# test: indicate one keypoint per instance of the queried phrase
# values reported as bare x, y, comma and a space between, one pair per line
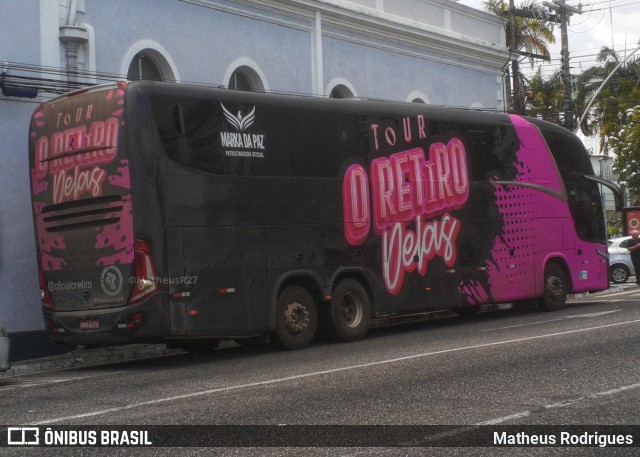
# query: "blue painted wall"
201, 40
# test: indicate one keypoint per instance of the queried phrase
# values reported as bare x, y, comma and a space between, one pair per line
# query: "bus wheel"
348, 315
296, 318
555, 288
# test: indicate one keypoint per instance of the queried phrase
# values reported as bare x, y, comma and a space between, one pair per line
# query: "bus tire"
555, 288
296, 318
347, 316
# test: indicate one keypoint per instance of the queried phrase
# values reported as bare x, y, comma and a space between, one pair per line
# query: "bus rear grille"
89, 212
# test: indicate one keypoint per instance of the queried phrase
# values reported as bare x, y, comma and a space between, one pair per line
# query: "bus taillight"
45, 297
145, 271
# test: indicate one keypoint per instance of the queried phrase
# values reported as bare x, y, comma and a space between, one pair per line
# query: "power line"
604, 8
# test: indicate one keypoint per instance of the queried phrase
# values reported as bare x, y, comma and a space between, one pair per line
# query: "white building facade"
424, 51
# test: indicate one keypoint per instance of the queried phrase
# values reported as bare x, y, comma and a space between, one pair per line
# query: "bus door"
207, 269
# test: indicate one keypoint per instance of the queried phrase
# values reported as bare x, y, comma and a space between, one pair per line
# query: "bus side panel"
175, 267
533, 217
256, 279
546, 231
213, 256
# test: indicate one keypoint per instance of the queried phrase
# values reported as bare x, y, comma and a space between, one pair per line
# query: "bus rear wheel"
555, 288
348, 315
296, 318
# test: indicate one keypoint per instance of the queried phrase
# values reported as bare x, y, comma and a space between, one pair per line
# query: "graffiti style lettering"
355, 190
405, 250
391, 136
406, 185
77, 174
75, 153
71, 186
408, 192
82, 114
101, 133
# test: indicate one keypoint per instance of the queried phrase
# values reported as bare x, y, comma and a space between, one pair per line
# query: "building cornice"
357, 23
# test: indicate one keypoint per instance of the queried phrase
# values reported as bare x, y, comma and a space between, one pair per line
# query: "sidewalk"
87, 358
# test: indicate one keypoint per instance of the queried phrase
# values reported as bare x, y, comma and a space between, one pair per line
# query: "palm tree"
547, 97
615, 113
532, 37
619, 94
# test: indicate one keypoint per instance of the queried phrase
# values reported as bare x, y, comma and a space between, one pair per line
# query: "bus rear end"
95, 277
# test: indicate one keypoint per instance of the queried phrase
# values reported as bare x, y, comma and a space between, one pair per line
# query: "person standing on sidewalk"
634, 248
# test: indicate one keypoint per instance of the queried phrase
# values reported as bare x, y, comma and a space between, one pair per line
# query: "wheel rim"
555, 287
296, 317
619, 275
351, 310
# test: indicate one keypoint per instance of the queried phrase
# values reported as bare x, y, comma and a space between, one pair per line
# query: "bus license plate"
91, 323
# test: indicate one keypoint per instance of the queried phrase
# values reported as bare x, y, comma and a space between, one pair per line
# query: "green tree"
618, 95
545, 100
615, 115
532, 35
625, 144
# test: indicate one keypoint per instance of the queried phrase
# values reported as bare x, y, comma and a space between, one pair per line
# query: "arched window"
239, 81
418, 97
143, 66
146, 59
247, 78
340, 91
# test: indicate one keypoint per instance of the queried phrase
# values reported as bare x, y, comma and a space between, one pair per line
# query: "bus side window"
584, 197
179, 149
203, 137
189, 132
492, 150
587, 211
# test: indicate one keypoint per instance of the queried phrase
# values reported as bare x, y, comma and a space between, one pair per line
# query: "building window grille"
143, 67
239, 81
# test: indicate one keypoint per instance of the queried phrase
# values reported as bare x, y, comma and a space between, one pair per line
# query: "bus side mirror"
617, 193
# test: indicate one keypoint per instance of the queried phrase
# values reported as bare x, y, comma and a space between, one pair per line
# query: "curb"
611, 290
88, 358
81, 358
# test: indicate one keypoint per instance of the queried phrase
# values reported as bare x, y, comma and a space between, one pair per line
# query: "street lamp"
584, 114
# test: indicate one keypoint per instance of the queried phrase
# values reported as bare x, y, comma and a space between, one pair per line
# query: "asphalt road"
579, 366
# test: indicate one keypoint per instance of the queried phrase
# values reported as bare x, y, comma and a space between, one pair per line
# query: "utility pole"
565, 11
566, 72
539, 13
515, 66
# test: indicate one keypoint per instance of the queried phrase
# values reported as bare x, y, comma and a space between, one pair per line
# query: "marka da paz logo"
241, 143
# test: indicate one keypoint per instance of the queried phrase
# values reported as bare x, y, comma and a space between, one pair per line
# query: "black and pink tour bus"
187, 214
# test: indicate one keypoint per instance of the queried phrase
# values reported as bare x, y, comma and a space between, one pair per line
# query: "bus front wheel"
296, 318
555, 288
348, 315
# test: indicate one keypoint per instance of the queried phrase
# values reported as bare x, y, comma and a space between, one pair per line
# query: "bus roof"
354, 104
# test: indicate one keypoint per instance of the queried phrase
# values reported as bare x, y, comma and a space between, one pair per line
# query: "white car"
620, 265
